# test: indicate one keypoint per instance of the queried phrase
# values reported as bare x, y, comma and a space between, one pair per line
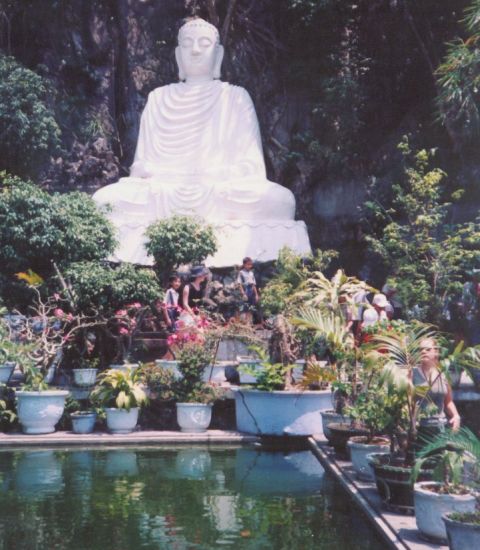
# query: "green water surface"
184, 498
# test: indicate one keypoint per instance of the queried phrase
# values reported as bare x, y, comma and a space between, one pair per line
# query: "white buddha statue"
199, 153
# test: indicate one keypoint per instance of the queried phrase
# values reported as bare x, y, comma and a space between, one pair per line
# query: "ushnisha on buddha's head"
199, 54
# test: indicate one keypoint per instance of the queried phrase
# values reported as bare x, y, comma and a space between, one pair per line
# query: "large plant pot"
331, 417
83, 422
6, 371
461, 535
359, 450
39, 411
280, 413
430, 506
194, 417
393, 481
121, 421
340, 433
85, 378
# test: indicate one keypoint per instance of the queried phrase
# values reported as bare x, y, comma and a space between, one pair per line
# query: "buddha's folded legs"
146, 201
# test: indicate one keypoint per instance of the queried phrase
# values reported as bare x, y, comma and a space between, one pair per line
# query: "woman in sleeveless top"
192, 295
439, 392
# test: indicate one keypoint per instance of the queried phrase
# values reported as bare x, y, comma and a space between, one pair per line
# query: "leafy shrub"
193, 358
28, 127
37, 228
120, 390
180, 240
409, 233
292, 270
108, 288
159, 381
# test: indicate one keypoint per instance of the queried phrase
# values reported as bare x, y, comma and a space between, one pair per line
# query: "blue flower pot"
83, 423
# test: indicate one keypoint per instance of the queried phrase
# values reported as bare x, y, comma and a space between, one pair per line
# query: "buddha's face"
197, 52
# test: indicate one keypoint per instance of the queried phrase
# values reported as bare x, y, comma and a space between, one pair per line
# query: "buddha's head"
199, 54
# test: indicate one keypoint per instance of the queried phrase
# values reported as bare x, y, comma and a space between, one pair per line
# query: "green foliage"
448, 453
28, 129
193, 358
159, 381
118, 389
108, 288
292, 270
180, 240
458, 79
271, 376
38, 228
427, 257
34, 378
336, 79
378, 409
7, 408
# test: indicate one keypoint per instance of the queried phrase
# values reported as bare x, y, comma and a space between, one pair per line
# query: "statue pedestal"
261, 240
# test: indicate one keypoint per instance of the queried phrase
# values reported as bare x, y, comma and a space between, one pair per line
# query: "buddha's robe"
199, 153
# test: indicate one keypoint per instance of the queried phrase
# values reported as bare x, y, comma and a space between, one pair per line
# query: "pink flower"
123, 330
56, 296
58, 313
121, 313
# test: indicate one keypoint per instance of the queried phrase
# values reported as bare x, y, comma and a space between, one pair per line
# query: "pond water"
183, 498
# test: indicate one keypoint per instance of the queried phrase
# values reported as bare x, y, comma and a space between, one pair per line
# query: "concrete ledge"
399, 531
67, 439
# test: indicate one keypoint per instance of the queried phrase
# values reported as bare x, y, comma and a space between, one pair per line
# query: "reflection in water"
193, 464
266, 473
173, 499
38, 474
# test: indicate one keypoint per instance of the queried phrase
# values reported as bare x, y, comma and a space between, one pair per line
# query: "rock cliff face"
333, 94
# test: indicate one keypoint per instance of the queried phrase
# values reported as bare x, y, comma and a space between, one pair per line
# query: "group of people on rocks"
182, 302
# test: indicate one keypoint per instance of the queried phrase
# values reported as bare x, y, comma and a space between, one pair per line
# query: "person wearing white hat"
377, 313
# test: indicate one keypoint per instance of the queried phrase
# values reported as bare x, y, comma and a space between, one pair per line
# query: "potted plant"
371, 411
160, 389
85, 374
121, 394
455, 467
400, 348
11, 352
38, 407
82, 416
194, 397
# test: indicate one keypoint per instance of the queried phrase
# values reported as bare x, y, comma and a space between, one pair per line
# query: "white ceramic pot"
359, 450
39, 411
280, 412
6, 371
431, 506
194, 417
85, 378
121, 421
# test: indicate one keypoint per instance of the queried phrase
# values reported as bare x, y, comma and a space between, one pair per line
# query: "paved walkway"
67, 439
399, 531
